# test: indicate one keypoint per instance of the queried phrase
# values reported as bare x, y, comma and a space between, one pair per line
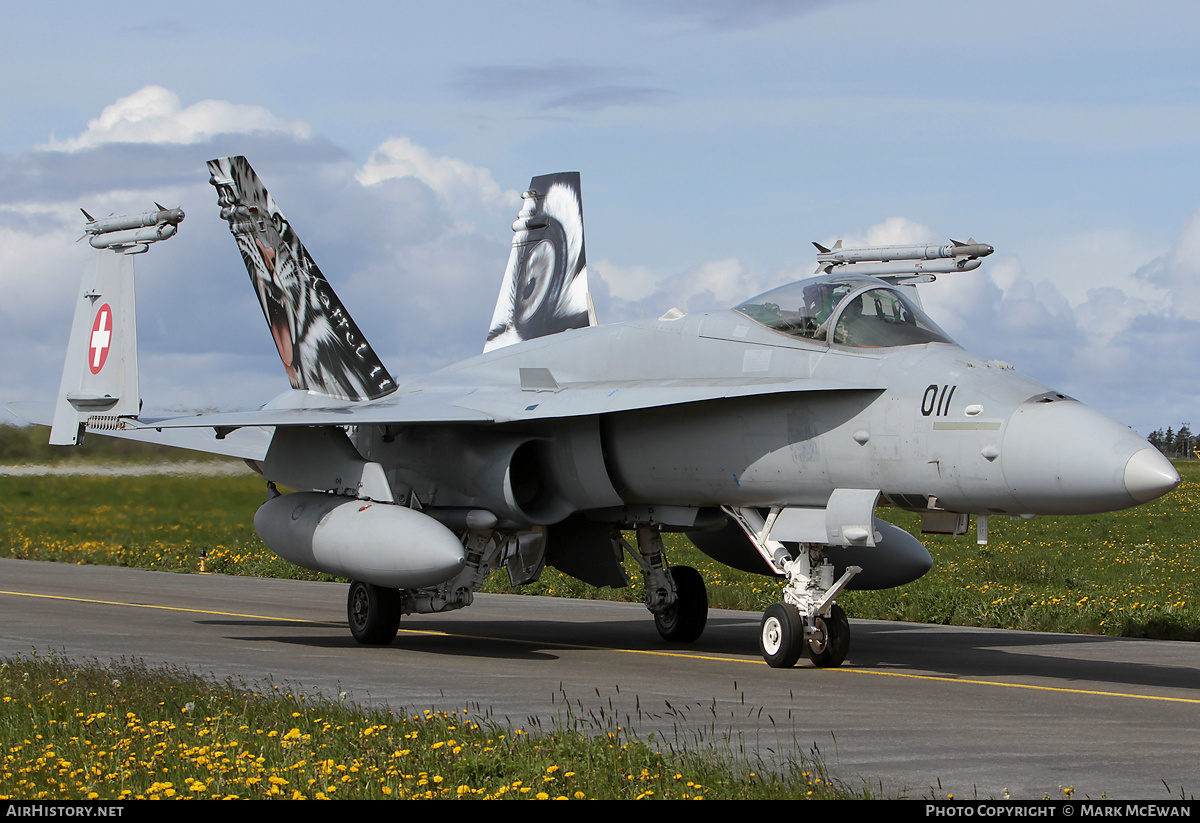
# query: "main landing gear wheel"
373, 613
782, 637
830, 644
684, 622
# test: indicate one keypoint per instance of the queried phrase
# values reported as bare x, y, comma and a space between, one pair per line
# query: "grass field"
124, 731
1131, 573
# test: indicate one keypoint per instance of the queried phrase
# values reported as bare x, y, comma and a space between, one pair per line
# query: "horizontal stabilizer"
249, 443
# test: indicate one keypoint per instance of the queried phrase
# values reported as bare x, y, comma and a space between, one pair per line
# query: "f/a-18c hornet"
768, 433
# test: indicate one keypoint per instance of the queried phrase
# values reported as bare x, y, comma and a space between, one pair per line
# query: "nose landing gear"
808, 620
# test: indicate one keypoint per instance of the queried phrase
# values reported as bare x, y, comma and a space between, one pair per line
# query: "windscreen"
883, 317
860, 311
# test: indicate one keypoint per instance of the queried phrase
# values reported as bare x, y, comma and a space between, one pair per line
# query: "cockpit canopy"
848, 310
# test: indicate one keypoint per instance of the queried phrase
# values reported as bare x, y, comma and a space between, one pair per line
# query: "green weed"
126, 731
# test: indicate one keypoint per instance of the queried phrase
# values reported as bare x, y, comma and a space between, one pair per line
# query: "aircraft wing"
418, 407
607, 397
507, 403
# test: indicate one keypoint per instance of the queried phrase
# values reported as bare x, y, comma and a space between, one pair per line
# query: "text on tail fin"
321, 347
545, 285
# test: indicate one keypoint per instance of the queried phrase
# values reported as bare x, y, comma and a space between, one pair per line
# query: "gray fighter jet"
768, 434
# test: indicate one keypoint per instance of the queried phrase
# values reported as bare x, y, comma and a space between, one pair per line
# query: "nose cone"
1149, 475
1062, 457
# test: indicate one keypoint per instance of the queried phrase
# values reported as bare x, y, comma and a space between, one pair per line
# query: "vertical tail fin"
320, 345
545, 285
100, 376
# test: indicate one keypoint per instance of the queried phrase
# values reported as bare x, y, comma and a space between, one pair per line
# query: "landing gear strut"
808, 620
676, 596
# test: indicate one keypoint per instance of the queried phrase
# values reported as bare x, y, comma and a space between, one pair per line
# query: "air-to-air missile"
132, 232
953, 256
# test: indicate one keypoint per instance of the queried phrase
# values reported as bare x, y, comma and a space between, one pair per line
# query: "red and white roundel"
98, 343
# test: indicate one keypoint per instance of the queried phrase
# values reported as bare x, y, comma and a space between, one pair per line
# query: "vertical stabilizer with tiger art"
321, 347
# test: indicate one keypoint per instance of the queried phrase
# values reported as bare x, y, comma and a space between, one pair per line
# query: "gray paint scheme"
543, 447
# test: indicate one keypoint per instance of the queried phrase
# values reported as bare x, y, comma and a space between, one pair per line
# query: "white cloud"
894, 231
1183, 270
636, 292
1092, 259
460, 185
419, 283
715, 284
154, 115
38, 273
625, 282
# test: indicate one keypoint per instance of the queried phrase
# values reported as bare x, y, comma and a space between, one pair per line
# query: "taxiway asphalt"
918, 710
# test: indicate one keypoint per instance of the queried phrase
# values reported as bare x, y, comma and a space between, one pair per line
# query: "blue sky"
715, 140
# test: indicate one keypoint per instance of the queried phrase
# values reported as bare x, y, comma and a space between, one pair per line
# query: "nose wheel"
808, 620
784, 637
829, 642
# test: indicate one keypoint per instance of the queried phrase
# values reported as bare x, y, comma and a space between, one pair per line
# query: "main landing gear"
373, 613
684, 621
676, 596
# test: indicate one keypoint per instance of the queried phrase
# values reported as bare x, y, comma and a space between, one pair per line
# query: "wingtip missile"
122, 222
128, 230
970, 250
965, 256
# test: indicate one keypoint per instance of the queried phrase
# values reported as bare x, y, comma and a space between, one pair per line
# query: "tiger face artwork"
319, 344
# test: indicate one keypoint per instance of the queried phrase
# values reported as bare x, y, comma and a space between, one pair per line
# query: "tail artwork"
321, 347
545, 285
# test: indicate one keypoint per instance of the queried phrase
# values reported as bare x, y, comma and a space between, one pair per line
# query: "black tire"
684, 622
830, 644
781, 638
373, 613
